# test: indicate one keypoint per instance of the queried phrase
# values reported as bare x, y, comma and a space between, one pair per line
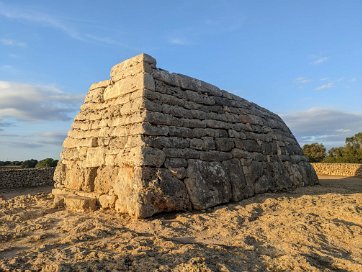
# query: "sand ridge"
313, 228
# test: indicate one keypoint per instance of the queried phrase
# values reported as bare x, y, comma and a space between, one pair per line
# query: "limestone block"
149, 129
107, 201
105, 178
164, 141
60, 174
236, 177
185, 153
159, 118
124, 86
95, 157
131, 156
209, 143
135, 65
224, 144
207, 183
215, 156
100, 84
180, 132
96, 95
191, 123
80, 179
217, 124
179, 173
200, 98
175, 162
127, 188
80, 203
197, 144
164, 193
153, 157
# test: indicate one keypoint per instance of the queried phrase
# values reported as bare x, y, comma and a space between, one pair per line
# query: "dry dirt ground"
310, 229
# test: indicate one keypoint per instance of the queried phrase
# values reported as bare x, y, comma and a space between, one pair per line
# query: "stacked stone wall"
18, 178
148, 141
102, 153
338, 169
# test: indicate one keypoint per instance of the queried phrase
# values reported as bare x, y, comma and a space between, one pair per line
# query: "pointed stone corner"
147, 141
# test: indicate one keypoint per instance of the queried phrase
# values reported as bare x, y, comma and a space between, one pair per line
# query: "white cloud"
10, 42
302, 81
319, 60
325, 86
31, 141
328, 126
51, 137
22, 101
178, 41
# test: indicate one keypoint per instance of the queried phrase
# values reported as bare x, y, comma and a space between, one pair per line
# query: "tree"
354, 142
351, 152
29, 163
315, 152
48, 162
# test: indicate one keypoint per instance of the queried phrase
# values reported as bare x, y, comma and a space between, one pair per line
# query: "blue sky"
300, 59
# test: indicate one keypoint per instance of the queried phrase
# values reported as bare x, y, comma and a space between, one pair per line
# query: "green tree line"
48, 162
351, 152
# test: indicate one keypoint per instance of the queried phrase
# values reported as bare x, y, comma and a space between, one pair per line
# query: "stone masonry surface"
17, 178
338, 169
148, 141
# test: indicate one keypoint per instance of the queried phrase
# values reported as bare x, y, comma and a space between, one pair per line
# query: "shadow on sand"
214, 256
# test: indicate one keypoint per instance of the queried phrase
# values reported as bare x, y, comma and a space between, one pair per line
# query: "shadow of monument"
187, 254
337, 185
183, 252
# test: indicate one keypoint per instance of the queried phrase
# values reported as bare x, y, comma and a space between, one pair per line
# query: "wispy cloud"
33, 141
325, 86
302, 81
10, 42
24, 101
194, 33
328, 126
178, 41
51, 137
4, 125
7, 68
319, 60
39, 18
51, 21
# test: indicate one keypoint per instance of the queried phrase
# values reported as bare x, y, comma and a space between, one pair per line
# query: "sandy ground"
310, 229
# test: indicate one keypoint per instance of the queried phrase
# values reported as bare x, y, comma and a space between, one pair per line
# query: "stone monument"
148, 141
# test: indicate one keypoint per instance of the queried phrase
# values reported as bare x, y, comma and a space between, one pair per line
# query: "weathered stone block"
207, 183
79, 203
107, 201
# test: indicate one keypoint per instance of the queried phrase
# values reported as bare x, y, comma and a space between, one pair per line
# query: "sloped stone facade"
149, 141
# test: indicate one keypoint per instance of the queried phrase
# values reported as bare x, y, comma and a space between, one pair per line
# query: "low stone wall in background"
338, 169
18, 178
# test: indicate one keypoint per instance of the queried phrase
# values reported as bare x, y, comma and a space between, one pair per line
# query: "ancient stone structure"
18, 178
148, 141
338, 169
